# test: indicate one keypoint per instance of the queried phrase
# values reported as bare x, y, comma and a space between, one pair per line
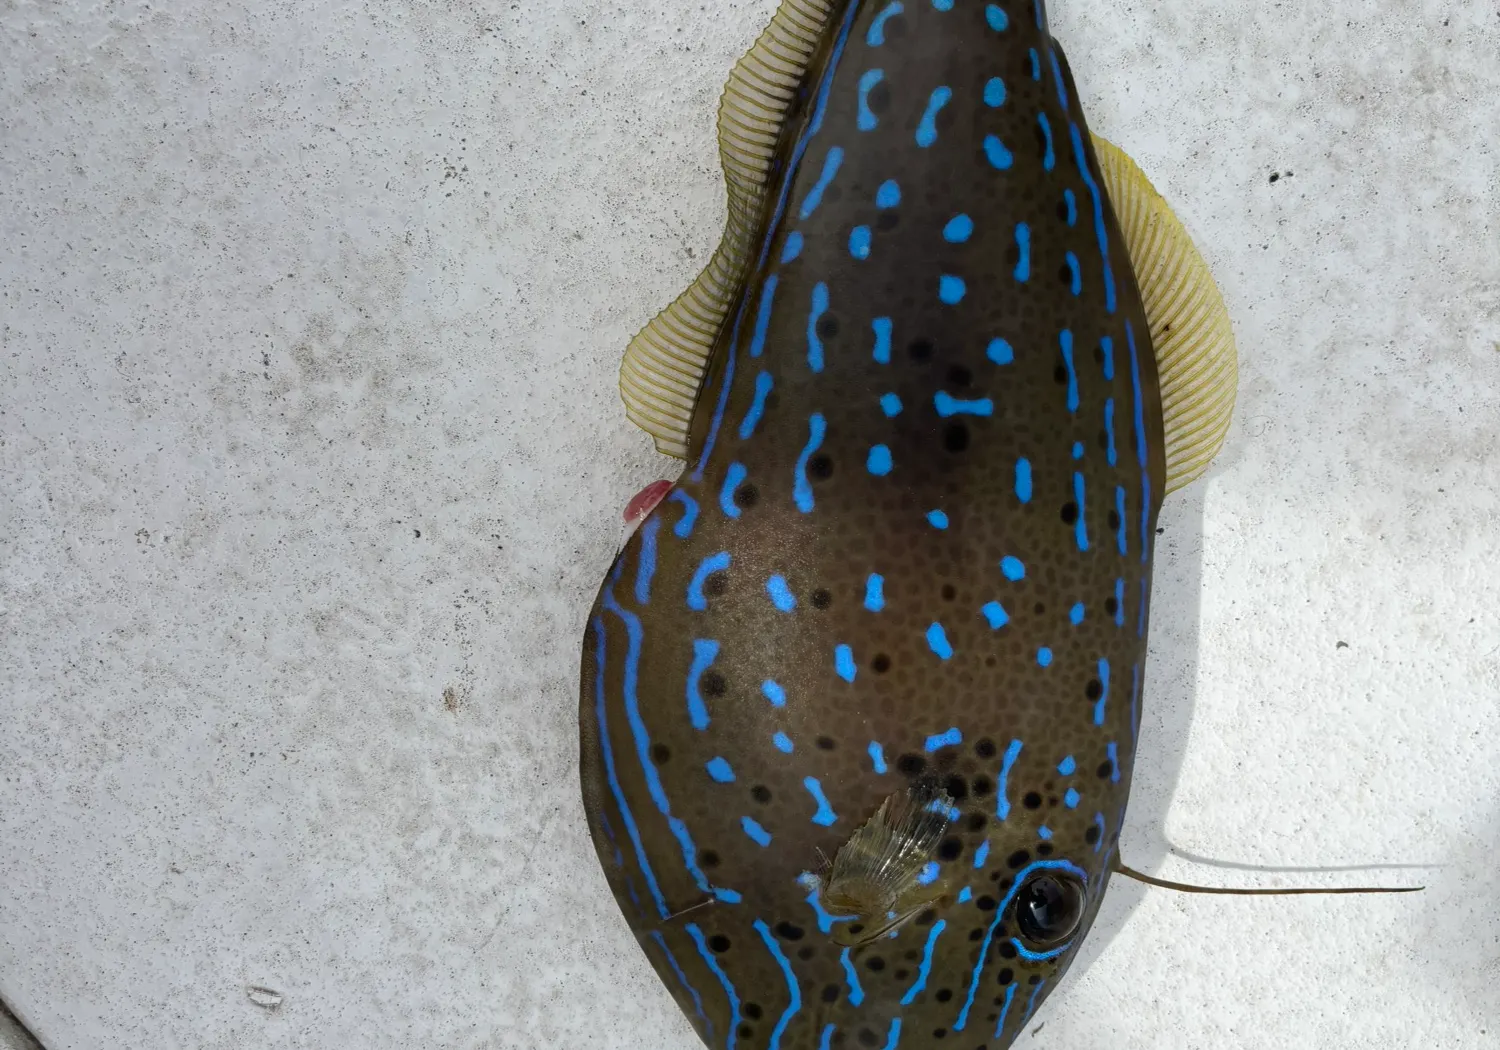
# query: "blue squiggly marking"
1002, 804
1120, 513
937, 519
893, 1037
830, 169
951, 289
856, 993
683, 980
1099, 231
684, 527
1120, 585
763, 385
1036, 64
1049, 158
994, 92
1031, 1000
1065, 340
1044, 657
1062, 88
1010, 994
948, 405
1107, 345
773, 692
763, 315
825, 814
1104, 693
878, 462
995, 614
876, 35
958, 229
928, 875
859, 242
1140, 615
1135, 684
937, 641
927, 127
1099, 823
877, 757
867, 121
925, 967
1112, 752
1012, 568
825, 920
1075, 275
982, 854
783, 743
1071, 797
814, 341
1068, 766
645, 567
801, 490
888, 195
1109, 429
825, 1041
996, 17
949, 738
1080, 527
781, 594
890, 405
843, 662
732, 478
713, 967
705, 651
758, 835
1000, 352
1076, 614
875, 592
1023, 245
720, 770
792, 248
882, 329
995, 152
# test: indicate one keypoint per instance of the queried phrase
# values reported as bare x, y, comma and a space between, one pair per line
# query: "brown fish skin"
711, 795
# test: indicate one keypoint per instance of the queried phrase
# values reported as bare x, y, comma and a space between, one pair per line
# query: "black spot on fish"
942, 995
919, 349
1032, 800
911, 764
1005, 976
938, 1033
746, 495
1099, 353
1114, 520
806, 952
881, 664
715, 585
820, 467
1044, 849
1062, 210
950, 848
1007, 950
1012, 255
1111, 606
925, 917
956, 787
1039, 608
901, 974
982, 786
660, 753
789, 931
824, 743
949, 592
751, 1010
1094, 690
821, 599
712, 683
887, 220
978, 821
1034, 979
760, 793
879, 98
956, 437
958, 375
1060, 375
1019, 859
875, 963
1106, 769
867, 1037
828, 326
976, 933
985, 903
1104, 439
831, 993
708, 859
857, 928
984, 747
1091, 836
746, 1031
1065, 273
719, 943
1069, 512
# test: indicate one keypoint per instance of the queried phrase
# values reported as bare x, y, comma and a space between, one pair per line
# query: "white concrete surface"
312, 460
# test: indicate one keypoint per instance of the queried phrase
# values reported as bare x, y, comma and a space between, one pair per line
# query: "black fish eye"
1049, 908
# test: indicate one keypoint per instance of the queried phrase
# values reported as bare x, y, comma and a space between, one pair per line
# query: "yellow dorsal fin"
665, 362
1195, 354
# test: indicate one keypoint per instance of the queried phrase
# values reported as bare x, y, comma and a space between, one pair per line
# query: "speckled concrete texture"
312, 460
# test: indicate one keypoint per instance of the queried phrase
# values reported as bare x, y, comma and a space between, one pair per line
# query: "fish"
860, 693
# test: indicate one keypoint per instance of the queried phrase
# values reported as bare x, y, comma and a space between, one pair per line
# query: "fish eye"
1049, 908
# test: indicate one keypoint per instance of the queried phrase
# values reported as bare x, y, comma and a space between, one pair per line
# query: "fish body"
860, 696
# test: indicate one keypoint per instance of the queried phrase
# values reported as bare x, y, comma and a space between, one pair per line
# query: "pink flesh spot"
645, 501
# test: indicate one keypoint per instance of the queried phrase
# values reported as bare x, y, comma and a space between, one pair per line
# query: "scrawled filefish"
860, 694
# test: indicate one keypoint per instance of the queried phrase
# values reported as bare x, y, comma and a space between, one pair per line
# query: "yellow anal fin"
665, 362
1195, 355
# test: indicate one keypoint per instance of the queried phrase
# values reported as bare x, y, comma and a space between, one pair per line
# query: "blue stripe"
982, 854
888, 195
801, 489
727, 379
831, 164
1099, 232
1075, 274
825, 814
825, 1041
926, 967
994, 92
683, 980
843, 662
774, 693
794, 990
720, 770
643, 748
814, 343
1107, 345
937, 641
792, 248
607, 748
1065, 340
1072, 203
1109, 428
705, 651
1002, 804
763, 315
937, 519
714, 968
1068, 766
1049, 158
684, 527
856, 993
1140, 406
1099, 823
783, 743
890, 404
866, 120
1120, 542
878, 462
1080, 528
1036, 64
927, 127
996, 17
1062, 89
876, 35
875, 592
1010, 994
1120, 590
781, 594
1000, 910
1113, 751
645, 567
825, 920
732, 478
1013, 568
859, 242
877, 757
1023, 480
893, 1037
1000, 352
759, 835
763, 384
1031, 1001
995, 615
948, 405
709, 565
1023, 242
951, 738
958, 229
882, 327
995, 152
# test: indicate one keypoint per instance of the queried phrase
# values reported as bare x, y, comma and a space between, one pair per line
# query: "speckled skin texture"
805, 484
